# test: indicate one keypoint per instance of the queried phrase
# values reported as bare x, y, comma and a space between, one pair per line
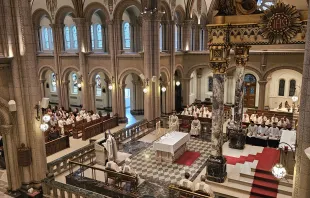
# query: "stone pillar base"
123, 120
216, 169
237, 139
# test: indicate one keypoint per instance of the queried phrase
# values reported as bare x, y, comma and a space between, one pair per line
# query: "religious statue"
174, 122
280, 106
195, 127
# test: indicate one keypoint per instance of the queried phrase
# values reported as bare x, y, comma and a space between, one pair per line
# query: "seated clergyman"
262, 131
274, 132
185, 112
174, 122
111, 165
186, 183
203, 188
127, 169
195, 127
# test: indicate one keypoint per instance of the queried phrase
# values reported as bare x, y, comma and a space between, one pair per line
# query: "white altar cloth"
288, 137
171, 142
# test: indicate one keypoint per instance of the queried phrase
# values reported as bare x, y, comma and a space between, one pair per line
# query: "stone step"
287, 176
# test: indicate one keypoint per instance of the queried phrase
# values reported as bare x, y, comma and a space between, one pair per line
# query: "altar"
171, 146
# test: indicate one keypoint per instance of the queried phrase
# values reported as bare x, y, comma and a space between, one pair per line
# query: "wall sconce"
307, 151
163, 89
146, 88
278, 171
177, 83
110, 86
79, 85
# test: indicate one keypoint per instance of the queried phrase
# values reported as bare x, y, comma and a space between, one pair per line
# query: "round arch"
62, 12
195, 67
179, 68
67, 71
123, 75
44, 69
293, 67
96, 70
121, 7
248, 67
164, 70
38, 15
94, 7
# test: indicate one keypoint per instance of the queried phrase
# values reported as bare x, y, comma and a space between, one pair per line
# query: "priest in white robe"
111, 165
274, 136
203, 188
185, 112
174, 122
111, 147
186, 183
246, 118
262, 135
274, 119
195, 127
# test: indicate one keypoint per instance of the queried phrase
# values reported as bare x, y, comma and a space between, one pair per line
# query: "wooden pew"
57, 145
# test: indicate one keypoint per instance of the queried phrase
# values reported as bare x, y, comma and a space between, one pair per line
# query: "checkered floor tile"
146, 165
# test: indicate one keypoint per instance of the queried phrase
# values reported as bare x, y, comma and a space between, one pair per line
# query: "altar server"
262, 135
111, 165
111, 147
186, 183
78, 117
93, 116
256, 120
127, 169
203, 188
246, 118
262, 119
274, 136
282, 123
185, 112
195, 127
88, 117
252, 132
274, 119
174, 122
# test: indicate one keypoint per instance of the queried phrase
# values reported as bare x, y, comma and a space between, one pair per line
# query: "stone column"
42, 87
199, 75
121, 105
171, 49
82, 44
262, 92
237, 136
14, 180
65, 94
229, 89
216, 163
302, 167
92, 104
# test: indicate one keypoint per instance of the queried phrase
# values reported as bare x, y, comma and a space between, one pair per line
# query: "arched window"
96, 37
292, 87
75, 88
176, 38
53, 82
74, 37
126, 35
98, 85
264, 4
67, 38
202, 40
249, 78
99, 36
210, 83
281, 87
92, 36
47, 39
160, 37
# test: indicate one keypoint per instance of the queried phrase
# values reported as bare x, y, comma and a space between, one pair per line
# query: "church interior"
154, 98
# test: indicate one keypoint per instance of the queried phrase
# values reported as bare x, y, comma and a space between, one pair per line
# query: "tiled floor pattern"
149, 168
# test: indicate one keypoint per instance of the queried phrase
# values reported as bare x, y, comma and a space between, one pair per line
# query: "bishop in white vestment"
111, 147
195, 127
174, 123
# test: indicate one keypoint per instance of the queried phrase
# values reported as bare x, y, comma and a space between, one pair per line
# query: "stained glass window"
98, 85
126, 35
202, 40
51, 38
99, 36
210, 83
53, 82
67, 38
92, 36
264, 4
75, 88
249, 78
46, 38
292, 87
74, 37
281, 87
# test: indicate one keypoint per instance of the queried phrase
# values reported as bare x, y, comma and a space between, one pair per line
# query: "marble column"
237, 135
229, 89
216, 163
262, 92
302, 168
11, 162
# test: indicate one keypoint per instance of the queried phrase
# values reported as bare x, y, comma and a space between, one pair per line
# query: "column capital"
79, 21
5, 129
122, 86
262, 82
242, 55
219, 56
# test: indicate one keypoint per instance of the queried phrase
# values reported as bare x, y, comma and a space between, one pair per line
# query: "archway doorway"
249, 90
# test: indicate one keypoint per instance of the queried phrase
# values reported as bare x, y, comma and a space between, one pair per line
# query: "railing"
91, 181
61, 164
176, 192
99, 127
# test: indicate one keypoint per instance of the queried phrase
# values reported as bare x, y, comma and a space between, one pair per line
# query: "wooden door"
249, 90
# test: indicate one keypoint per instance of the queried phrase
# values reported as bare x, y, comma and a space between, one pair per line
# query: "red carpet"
188, 158
264, 183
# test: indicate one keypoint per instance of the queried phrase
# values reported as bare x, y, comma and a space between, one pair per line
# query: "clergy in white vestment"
174, 122
111, 147
203, 188
274, 136
93, 117
195, 127
127, 169
185, 112
252, 132
262, 131
245, 118
88, 117
274, 119
286, 120
186, 183
209, 114
255, 119
69, 121
282, 123
253, 116
111, 165
262, 119
78, 117
268, 122
61, 124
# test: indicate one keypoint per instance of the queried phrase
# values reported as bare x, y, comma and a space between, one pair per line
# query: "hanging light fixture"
79, 85
145, 90
177, 83
163, 89
46, 118
279, 171
44, 127
110, 86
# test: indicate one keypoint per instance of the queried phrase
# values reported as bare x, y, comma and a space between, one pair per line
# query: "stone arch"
121, 7
5, 117
270, 71
38, 15
67, 71
123, 75
195, 67
165, 7
92, 8
179, 14
180, 68
96, 70
44, 69
164, 70
62, 12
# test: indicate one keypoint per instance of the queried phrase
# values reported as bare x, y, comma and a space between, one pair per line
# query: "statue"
280, 106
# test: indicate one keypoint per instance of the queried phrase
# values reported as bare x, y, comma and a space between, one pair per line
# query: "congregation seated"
195, 127
53, 134
185, 183
203, 188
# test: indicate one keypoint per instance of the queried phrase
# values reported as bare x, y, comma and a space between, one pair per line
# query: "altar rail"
61, 164
176, 192
104, 186
98, 128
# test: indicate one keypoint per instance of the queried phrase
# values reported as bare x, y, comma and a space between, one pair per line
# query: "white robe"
262, 132
78, 118
185, 112
111, 147
94, 117
88, 118
204, 188
282, 124
252, 131
274, 133
252, 117
195, 127
274, 119
186, 183
112, 165
174, 123
245, 118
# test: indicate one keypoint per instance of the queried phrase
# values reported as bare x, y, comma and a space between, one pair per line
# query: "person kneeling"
203, 188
